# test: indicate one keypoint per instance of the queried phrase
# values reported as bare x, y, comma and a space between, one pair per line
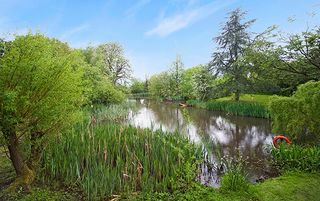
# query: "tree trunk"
237, 95
24, 174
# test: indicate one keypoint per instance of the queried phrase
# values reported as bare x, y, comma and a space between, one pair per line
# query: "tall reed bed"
116, 113
105, 160
241, 108
296, 157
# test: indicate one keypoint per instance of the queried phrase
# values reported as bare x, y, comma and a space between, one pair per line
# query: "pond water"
221, 135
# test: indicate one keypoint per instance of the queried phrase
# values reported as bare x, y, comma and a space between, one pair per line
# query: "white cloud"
67, 34
171, 24
130, 12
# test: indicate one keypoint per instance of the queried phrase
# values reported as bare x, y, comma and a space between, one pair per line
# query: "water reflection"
221, 134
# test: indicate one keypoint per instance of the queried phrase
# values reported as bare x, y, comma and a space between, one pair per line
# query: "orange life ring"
276, 138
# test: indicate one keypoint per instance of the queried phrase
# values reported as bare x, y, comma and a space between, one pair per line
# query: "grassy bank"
291, 186
249, 105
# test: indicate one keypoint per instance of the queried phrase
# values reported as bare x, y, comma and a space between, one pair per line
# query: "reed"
110, 159
234, 178
241, 108
295, 157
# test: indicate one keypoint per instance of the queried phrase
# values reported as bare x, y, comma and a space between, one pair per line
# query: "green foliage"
187, 83
115, 113
98, 87
253, 98
41, 85
138, 86
234, 178
298, 116
241, 108
232, 43
202, 83
109, 159
113, 62
299, 158
290, 186
159, 85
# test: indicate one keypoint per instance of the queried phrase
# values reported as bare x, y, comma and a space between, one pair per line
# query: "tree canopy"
41, 90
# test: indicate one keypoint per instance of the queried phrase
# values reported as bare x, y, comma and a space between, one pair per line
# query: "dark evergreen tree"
232, 43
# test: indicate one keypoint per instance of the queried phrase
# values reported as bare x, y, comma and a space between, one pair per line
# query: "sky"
152, 32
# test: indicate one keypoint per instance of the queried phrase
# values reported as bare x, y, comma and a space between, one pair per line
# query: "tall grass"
110, 159
114, 113
296, 157
240, 108
234, 178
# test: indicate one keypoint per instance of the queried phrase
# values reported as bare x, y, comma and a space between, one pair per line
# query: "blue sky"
152, 32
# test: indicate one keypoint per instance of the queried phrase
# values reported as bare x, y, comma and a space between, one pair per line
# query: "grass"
256, 98
249, 105
302, 186
290, 187
108, 160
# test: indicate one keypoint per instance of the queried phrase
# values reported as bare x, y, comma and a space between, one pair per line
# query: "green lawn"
262, 99
291, 186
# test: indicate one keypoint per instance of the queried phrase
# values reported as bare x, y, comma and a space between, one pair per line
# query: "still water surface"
221, 135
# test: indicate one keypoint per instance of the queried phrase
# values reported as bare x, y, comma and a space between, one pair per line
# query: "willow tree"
40, 92
232, 43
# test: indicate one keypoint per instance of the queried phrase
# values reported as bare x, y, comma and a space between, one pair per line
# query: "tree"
159, 85
232, 43
40, 92
114, 63
138, 86
202, 83
301, 55
98, 87
176, 73
188, 84
284, 67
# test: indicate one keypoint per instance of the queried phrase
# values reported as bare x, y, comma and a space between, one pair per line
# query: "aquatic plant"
110, 159
234, 178
296, 157
240, 108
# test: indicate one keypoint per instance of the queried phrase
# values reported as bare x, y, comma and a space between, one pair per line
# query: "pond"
221, 135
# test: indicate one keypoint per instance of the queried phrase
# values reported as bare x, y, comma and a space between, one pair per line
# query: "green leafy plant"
298, 115
110, 159
296, 157
234, 178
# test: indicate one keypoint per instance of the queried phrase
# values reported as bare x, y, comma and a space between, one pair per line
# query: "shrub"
298, 116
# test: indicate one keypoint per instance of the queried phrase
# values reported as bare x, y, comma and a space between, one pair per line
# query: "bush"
298, 116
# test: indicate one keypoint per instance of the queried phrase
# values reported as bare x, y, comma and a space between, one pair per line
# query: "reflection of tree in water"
168, 115
234, 135
218, 132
